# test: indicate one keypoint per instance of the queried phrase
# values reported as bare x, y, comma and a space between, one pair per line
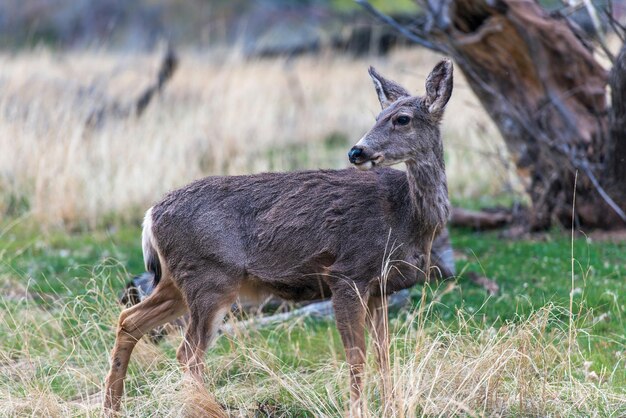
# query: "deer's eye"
403, 120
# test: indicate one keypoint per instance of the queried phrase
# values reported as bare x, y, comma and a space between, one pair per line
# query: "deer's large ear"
388, 91
439, 87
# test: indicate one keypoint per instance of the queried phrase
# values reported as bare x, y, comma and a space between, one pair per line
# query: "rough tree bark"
546, 92
617, 123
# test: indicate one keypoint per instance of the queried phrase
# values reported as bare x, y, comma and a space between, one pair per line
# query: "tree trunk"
617, 118
547, 94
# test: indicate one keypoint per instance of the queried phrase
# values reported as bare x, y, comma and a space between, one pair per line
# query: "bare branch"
617, 27
420, 40
117, 110
584, 165
593, 14
166, 71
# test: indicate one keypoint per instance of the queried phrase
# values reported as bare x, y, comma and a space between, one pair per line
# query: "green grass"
54, 343
533, 273
56, 263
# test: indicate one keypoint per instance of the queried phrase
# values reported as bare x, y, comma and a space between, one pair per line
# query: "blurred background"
263, 85
252, 86
261, 27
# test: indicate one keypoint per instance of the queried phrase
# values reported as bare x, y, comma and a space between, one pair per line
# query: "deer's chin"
365, 165
369, 164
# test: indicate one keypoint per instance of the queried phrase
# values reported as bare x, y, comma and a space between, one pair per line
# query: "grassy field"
455, 351
552, 343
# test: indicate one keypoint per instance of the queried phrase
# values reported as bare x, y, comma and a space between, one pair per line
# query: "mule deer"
300, 235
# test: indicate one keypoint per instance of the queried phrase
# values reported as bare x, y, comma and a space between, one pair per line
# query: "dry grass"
219, 115
53, 359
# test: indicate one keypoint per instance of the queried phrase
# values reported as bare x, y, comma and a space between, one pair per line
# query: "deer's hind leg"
209, 298
163, 305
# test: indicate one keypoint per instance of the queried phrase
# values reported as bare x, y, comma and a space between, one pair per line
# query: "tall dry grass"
53, 360
219, 115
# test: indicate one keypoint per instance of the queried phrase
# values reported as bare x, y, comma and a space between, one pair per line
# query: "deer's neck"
428, 193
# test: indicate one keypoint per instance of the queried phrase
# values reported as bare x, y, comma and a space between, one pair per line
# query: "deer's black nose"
354, 153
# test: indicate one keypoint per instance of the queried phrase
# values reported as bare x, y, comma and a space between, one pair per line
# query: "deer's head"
407, 128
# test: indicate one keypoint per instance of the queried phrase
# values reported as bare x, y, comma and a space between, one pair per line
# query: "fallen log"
480, 220
320, 310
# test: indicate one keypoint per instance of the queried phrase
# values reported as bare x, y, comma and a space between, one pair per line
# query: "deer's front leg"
379, 333
350, 308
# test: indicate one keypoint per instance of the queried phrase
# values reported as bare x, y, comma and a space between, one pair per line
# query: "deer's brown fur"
302, 235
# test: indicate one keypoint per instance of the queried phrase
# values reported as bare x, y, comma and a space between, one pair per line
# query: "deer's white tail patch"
147, 245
